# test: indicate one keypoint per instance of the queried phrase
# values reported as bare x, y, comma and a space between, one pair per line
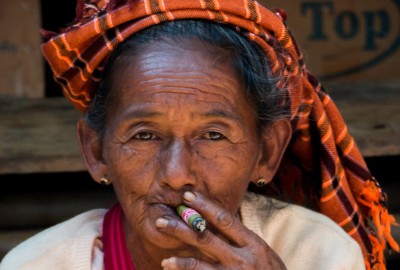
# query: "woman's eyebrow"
221, 113
215, 113
140, 113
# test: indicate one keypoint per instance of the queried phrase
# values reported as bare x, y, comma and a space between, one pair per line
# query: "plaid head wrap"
347, 192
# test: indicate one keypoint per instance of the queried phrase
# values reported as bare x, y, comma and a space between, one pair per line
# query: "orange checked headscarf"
347, 192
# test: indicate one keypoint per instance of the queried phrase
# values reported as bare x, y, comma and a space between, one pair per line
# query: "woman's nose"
176, 169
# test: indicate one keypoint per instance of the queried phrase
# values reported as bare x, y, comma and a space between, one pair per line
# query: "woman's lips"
165, 210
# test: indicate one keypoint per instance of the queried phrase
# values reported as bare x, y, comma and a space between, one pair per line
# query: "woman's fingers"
224, 222
176, 263
226, 244
209, 244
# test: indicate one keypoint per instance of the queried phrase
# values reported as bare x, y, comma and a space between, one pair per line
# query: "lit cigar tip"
199, 225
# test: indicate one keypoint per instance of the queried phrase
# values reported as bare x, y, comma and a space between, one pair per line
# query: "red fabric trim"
116, 254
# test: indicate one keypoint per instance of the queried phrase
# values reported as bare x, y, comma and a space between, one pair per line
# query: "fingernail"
164, 263
189, 196
161, 223
168, 262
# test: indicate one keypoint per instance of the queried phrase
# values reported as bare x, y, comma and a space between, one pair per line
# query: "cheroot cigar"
191, 217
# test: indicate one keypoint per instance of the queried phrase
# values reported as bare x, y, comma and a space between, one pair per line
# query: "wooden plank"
38, 135
21, 65
372, 113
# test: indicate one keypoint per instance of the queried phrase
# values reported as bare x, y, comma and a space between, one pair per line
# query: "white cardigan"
305, 240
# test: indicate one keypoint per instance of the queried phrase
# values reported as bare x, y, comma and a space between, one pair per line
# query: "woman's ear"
274, 142
90, 146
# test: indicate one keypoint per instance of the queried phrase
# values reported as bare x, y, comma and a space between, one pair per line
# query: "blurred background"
352, 46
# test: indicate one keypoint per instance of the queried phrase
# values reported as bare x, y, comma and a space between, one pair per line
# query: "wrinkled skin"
181, 126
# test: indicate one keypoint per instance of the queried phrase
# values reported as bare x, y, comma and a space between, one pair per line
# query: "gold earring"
261, 182
104, 181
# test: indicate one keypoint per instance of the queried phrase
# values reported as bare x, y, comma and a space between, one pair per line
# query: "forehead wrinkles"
190, 69
206, 88
187, 55
187, 75
184, 65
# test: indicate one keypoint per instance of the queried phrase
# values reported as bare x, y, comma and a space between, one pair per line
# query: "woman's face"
180, 121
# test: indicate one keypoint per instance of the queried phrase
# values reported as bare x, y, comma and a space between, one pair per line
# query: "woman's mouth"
164, 209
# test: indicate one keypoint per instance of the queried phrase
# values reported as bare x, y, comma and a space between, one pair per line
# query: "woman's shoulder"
263, 213
60, 244
300, 235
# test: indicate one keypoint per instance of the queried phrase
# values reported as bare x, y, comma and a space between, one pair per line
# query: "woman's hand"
236, 248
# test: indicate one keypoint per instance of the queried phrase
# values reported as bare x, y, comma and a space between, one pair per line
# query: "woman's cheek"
227, 169
134, 167
133, 155
222, 157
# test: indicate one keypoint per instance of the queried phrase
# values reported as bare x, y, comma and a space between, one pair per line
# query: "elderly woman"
207, 105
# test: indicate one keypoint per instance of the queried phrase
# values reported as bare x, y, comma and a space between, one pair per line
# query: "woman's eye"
213, 135
145, 136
